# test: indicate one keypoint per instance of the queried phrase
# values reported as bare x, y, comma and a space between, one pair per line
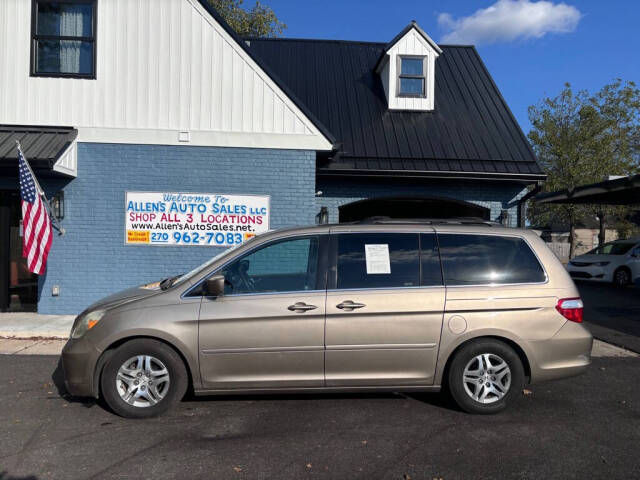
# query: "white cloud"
508, 20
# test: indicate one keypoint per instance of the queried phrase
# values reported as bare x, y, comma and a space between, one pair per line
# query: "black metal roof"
42, 146
621, 191
471, 132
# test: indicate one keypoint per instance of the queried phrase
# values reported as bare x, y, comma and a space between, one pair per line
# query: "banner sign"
203, 219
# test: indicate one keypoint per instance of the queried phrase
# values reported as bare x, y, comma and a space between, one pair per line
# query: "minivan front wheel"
484, 376
143, 378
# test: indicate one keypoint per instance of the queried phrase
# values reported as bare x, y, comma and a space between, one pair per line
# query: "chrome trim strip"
382, 346
301, 292
480, 310
305, 348
365, 289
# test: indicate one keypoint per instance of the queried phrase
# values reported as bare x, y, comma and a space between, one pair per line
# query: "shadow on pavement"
6, 476
58, 380
440, 400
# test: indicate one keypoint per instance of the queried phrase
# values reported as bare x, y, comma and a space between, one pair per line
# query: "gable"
167, 72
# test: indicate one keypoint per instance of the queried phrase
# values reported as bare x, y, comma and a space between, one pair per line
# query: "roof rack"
428, 221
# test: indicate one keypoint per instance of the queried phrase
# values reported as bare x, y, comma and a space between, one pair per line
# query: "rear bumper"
79, 358
566, 354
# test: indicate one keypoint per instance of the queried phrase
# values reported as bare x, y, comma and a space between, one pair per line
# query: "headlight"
602, 264
86, 322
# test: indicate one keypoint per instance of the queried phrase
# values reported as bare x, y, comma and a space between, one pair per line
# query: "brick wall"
496, 196
91, 260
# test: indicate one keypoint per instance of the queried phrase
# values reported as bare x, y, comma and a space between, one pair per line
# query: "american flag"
37, 236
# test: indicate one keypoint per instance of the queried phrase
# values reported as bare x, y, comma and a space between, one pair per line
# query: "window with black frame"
63, 38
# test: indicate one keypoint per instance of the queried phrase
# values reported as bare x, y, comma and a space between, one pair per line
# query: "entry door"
383, 320
18, 286
267, 331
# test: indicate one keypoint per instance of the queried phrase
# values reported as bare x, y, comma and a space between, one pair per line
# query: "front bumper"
566, 354
589, 273
79, 358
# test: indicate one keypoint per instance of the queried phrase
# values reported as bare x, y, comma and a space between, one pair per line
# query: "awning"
49, 150
622, 191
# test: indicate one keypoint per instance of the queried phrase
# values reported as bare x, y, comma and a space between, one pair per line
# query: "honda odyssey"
481, 310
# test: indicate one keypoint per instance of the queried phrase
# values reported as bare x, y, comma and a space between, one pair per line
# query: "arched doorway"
410, 207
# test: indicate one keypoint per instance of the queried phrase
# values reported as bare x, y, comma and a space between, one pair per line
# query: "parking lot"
612, 313
584, 427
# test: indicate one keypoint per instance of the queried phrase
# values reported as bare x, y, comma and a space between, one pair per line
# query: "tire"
622, 277
149, 373
503, 387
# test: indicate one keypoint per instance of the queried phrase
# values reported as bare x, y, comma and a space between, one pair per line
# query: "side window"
284, 266
431, 272
487, 259
377, 260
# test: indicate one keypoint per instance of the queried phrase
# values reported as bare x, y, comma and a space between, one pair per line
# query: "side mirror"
214, 286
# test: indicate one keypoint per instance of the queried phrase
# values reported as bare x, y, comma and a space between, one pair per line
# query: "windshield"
205, 265
612, 248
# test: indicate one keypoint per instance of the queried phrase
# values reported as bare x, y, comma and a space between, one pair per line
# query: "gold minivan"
373, 306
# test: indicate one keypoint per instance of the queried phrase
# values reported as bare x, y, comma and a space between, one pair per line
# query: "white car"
617, 262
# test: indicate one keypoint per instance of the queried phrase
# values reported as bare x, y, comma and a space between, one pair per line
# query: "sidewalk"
34, 325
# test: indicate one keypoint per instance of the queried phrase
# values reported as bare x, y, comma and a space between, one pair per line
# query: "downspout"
523, 201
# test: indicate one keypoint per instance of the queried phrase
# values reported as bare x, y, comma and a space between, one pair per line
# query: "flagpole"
41, 192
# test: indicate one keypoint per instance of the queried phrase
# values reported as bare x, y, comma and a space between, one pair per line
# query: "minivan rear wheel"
143, 378
484, 375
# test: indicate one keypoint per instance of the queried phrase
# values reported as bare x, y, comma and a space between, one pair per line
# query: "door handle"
348, 305
301, 307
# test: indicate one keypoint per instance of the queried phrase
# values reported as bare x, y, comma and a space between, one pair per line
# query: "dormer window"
412, 78
407, 68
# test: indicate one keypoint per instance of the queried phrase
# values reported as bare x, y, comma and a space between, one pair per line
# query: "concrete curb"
34, 335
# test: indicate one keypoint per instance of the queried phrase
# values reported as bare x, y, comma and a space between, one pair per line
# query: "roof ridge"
333, 40
325, 40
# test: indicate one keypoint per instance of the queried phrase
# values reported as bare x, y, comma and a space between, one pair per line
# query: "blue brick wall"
496, 196
91, 259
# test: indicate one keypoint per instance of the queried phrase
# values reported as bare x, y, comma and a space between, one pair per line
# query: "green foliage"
259, 21
583, 138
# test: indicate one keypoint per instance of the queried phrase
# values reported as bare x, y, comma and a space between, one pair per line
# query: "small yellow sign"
138, 236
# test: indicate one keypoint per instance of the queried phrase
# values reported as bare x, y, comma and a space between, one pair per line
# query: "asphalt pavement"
612, 313
583, 427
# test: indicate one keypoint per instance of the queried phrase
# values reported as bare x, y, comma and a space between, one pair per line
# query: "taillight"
571, 309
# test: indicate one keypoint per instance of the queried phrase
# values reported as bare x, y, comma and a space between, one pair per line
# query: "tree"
581, 138
259, 21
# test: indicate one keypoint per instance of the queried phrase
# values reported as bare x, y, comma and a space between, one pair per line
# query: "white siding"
163, 66
411, 44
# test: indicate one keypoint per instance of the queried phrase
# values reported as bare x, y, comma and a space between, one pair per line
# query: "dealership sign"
203, 219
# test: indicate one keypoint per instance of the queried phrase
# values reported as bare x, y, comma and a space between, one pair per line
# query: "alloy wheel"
142, 381
487, 378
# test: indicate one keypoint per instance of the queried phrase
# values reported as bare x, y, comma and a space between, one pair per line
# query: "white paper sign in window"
377, 259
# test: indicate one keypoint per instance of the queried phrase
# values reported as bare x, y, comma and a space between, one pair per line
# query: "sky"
531, 48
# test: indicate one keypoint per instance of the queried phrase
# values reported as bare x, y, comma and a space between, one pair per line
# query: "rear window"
488, 259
